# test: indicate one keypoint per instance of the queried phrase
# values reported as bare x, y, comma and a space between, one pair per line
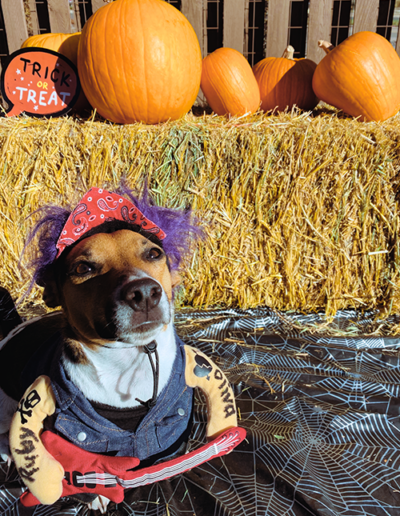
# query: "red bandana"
98, 206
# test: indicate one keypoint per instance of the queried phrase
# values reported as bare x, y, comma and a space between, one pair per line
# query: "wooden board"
96, 4
233, 36
278, 27
366, 15
193, 10
15, 23
319, 27
34, 17
59, 15
195, 13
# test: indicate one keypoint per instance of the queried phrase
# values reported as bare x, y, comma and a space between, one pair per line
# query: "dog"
117, 357
115, 290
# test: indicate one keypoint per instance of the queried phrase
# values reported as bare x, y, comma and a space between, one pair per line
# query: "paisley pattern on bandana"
98, 206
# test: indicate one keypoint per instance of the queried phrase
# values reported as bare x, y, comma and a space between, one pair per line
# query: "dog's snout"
142, 294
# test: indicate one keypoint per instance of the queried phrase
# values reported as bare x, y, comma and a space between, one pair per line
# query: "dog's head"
113, 286
115, 282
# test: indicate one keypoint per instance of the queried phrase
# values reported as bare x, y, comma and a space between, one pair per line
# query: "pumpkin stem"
325, 45
288, 53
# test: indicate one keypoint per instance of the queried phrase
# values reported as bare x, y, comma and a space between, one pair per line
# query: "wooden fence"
257, 28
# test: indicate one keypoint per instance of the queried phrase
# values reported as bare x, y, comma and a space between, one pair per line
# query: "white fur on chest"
118, 376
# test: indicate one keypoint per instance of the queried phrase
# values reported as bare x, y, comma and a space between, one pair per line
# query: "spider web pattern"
322, 420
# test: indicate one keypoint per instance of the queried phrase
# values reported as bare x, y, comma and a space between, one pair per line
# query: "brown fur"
74, 352
112, 257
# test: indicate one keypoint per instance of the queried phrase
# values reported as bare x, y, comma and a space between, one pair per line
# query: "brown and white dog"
114, 282
116, 294
115, 288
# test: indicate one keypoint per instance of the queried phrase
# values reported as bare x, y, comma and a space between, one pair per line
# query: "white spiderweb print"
322, 412
319, 452
322, 421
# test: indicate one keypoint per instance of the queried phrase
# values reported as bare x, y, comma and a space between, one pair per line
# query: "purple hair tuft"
180, 226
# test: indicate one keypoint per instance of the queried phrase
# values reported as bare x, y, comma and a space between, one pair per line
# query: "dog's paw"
99, 504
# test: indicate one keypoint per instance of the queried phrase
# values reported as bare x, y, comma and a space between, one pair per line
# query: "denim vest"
76, 420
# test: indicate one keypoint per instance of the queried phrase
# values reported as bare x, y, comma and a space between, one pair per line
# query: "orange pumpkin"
139, 60
228, 83
285, 82
361, 76
65, 44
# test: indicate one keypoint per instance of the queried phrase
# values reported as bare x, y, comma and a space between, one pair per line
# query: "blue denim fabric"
159, 429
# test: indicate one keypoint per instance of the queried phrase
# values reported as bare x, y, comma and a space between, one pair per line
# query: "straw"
300, 209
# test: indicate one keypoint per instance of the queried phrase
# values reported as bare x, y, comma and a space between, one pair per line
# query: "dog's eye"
82, 268
154, 253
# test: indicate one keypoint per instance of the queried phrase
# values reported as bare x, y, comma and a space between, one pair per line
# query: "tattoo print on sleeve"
204, 368
27, 439
26, 405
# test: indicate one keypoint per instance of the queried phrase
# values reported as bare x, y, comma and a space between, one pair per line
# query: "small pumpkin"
361, 76
285, 82
228, 83
65, 44
139, 60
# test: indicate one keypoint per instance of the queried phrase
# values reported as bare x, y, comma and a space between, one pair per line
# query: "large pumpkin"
228, 83
361, 76
285, 82
139, 60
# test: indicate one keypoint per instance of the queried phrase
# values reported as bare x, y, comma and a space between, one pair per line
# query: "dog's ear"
175, 279
50, 294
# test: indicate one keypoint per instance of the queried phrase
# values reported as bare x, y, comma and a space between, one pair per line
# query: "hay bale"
300, 211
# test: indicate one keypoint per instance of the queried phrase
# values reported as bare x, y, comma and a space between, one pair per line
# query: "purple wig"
181, 230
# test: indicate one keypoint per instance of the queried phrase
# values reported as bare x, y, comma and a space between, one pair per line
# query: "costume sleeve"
41, 473
201, 372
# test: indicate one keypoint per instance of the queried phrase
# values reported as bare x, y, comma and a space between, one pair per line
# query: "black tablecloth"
322, 415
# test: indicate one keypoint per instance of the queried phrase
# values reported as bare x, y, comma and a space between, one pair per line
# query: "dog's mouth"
123, 324
134, 312
138, 335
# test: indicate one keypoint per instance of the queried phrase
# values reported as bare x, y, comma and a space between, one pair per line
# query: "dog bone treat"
203, 373
37, 468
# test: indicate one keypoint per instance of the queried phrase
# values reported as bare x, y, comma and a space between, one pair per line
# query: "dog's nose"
142, 294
